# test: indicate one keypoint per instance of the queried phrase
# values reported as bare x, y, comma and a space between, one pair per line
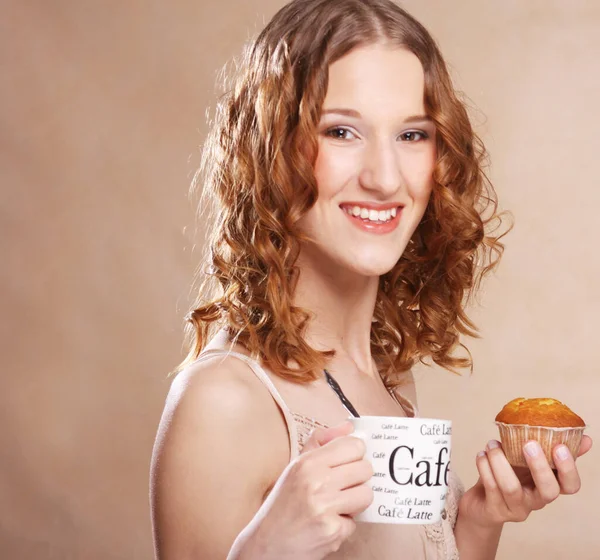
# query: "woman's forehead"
376, 79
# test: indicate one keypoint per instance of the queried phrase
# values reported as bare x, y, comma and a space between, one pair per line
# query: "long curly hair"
257, 169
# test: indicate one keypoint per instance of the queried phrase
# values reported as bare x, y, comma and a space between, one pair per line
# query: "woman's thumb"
322, 436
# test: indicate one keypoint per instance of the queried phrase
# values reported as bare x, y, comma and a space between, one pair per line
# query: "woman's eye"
339, 133
414, 136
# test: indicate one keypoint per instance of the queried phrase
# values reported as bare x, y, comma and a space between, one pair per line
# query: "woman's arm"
221, 444
475, 542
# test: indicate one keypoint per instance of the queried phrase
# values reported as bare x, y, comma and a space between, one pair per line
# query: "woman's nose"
381, 172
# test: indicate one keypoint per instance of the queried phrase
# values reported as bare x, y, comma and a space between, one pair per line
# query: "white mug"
411, 463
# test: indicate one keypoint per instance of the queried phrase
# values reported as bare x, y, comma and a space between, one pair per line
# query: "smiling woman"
310, 110
353, 220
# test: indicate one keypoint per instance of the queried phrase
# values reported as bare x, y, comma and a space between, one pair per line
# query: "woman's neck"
342, 312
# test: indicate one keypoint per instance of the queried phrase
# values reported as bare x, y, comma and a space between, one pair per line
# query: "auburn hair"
257, 169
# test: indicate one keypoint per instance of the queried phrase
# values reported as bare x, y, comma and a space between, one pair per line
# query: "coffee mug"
411, 464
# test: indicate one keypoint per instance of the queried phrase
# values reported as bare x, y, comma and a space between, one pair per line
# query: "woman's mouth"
381, 220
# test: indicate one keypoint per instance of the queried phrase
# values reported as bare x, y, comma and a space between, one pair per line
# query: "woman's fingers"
348, 527
342, 450
353, 474
586, 445
486, 478
568, 475
506, 479
322, 436
353, 500
547, 488
512, 493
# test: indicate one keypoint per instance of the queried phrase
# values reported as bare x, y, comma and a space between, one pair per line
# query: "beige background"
102, 110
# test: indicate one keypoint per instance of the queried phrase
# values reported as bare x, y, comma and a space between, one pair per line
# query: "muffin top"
539, 412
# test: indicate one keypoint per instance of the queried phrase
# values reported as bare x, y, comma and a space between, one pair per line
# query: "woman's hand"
504, 493
308, 513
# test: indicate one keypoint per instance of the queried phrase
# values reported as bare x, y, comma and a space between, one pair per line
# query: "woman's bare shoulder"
217, 417
222, 392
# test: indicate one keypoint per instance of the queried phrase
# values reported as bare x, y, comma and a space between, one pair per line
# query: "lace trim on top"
305, 427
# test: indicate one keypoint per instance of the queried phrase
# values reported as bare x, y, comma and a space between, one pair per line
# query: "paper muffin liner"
515, 436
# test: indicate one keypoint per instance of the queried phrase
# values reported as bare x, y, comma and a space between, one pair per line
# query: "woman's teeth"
371, 215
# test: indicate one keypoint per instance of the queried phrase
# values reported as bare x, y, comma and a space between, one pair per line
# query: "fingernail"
532, 448
562, 452
481, 454
493, 444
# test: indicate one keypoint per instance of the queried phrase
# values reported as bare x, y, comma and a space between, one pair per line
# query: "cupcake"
547, 421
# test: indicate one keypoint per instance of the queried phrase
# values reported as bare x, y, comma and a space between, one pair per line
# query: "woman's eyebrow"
418, 119
355, 114
346, 112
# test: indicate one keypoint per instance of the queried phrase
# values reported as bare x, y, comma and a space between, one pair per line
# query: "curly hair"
257, 168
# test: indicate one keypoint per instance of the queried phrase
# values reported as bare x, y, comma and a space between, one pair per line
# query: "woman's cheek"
334, 168
419, 176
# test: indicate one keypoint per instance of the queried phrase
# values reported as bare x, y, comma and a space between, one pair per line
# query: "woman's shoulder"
222, 390
217, 417
217, 414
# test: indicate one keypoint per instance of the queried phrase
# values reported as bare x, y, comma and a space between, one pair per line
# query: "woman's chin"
366, 263
371, 267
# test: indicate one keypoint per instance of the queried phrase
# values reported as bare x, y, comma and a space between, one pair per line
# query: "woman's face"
375, 162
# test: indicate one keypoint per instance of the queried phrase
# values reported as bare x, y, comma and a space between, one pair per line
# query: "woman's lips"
378, 226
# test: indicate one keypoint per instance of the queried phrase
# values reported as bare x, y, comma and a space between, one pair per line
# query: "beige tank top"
371, 541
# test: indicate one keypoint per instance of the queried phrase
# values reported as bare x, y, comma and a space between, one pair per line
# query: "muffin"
547, 421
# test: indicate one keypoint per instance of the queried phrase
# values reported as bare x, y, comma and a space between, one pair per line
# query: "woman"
353, 219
